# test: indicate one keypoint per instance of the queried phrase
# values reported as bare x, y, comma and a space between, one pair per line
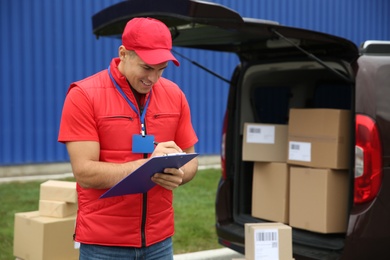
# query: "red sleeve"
77, 121
185, 134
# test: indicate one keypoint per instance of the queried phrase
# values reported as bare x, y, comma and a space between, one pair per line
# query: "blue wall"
45, 45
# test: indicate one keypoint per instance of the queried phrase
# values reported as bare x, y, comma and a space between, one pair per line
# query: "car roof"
210, 26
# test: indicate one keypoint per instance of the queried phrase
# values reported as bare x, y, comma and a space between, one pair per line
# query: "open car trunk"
272, 88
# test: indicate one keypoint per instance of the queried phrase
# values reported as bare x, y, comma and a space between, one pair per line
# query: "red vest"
129, 220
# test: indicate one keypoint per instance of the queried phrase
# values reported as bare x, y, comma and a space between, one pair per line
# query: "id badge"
143, 144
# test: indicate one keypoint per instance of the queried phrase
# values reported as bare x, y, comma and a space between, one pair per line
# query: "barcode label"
266, 244
256, 130
267, 236
299, 151
261, 134
295, 146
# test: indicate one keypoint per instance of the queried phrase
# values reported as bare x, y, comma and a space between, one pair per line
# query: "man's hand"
172, 178
166, 148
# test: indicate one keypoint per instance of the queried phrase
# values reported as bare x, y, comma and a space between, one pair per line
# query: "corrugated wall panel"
45, 45
48, 44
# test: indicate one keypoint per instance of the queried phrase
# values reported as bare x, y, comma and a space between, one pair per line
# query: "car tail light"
223, 147
368, 160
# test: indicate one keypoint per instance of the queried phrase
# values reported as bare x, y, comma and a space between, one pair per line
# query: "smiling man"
109, 123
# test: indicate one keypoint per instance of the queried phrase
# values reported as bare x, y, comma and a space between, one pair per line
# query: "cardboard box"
59, 191
270, 191
319, 199
264, 143
44, 238
58, 209
319, 138
271, 241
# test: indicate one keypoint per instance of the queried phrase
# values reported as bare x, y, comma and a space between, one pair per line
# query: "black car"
282, 68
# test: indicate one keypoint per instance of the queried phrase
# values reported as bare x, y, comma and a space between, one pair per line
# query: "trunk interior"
272, 89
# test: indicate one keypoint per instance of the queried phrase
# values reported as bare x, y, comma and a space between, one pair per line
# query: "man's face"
141, 76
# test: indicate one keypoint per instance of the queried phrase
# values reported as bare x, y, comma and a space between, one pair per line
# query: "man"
108, 124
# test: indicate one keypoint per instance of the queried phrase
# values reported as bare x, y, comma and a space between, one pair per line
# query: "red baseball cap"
150, 39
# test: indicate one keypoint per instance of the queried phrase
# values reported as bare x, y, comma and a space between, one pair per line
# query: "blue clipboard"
140, 180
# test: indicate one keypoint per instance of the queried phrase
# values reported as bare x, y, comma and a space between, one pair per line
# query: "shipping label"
260, 134
299, 151
266, 244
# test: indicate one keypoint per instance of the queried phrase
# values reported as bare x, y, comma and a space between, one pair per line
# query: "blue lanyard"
142, 117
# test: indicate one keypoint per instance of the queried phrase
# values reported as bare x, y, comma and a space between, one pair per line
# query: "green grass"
194, 213
193, 203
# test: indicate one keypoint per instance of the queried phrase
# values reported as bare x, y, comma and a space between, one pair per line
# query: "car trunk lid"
209, 26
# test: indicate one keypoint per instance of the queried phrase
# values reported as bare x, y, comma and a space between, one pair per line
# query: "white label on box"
260, 134
266, 244
299, 151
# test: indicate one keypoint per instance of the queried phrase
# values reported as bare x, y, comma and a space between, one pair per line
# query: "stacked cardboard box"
319, 138
319, 199
318, 155
265, 145
301, 167
47, 233
58, 199
270, 191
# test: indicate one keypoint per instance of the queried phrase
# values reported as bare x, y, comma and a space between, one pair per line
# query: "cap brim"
158, 56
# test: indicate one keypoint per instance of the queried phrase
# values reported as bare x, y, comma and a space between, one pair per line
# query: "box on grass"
268, 241
58, 209
270, 191
318, 199
59, 191
44, 238
319, 138
264, 143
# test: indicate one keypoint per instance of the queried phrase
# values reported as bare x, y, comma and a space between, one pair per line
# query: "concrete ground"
217, 254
